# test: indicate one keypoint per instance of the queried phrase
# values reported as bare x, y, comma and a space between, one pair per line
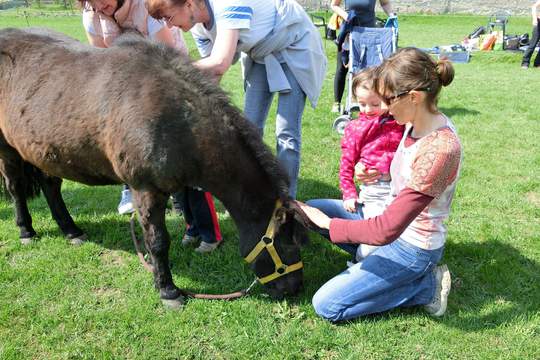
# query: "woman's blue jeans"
288, 120
397, 274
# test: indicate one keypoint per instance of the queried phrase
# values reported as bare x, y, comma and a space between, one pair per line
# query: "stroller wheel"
340, 123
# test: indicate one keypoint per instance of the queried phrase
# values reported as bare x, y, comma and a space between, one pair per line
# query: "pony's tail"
32, 187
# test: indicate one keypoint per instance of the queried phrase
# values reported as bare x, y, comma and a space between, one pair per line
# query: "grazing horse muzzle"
267, 242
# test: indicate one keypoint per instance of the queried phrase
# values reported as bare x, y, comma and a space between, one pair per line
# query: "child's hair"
412, 69
365, 79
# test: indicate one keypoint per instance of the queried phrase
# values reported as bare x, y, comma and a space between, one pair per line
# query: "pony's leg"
51, 186
12, 168
151, 207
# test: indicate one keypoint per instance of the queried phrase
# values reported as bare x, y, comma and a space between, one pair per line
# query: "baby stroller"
367, 47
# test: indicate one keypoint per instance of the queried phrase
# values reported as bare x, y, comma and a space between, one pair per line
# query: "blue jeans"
199, 213
288, 120
397, 274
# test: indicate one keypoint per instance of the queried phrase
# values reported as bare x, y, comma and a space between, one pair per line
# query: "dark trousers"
530, 50
340, 78
199, 214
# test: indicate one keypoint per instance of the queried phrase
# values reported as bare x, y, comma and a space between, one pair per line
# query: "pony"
140, 113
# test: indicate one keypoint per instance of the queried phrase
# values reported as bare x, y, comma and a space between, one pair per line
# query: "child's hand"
350, 205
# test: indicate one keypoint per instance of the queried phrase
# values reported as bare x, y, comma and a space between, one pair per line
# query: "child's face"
369, 102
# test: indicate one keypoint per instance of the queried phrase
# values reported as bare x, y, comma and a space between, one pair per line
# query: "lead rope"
150, 268
231, 296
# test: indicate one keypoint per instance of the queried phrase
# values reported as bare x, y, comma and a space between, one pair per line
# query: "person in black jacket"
534, 40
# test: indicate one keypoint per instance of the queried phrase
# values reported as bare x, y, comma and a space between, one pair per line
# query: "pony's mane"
267, 161
218, 100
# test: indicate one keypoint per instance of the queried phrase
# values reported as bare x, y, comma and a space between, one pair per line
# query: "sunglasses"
169, 19
389, 100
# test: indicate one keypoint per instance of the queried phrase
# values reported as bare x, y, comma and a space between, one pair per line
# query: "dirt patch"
533, 198
113, 258
105, 292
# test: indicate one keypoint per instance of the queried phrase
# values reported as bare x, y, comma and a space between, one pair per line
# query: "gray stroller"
367, 47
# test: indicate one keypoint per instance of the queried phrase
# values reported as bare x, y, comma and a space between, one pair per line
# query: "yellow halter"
267, 242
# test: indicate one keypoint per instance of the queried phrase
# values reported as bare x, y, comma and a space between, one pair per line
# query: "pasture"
96, 301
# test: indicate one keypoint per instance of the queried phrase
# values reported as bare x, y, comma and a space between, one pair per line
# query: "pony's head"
276, 257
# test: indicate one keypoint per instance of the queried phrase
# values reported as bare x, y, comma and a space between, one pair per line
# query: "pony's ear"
299, 232
281, 215
300, 216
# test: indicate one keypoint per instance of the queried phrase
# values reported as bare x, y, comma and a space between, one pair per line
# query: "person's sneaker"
176, 206
336, 108
205, 247
177, 210
190, 240
437, 307
523, 66
125, 206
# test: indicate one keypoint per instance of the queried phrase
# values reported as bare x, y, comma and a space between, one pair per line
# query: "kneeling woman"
410, 233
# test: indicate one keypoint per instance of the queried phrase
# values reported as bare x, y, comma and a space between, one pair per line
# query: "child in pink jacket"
370, 141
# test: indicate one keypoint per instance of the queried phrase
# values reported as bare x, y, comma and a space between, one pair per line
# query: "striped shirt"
254, 18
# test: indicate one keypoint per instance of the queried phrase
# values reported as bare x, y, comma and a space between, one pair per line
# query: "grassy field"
96, 301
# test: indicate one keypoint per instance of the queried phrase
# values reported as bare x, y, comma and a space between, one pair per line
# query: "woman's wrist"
326, 224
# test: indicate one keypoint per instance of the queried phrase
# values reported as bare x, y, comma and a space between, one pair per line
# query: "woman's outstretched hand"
315, 215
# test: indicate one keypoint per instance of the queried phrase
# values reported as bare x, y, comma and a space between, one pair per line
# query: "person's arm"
222, 54
387, 7
165, 36
159, 31
335, 6
379, 230
351, 143
95, 40
385, 228
88, 18
535, 13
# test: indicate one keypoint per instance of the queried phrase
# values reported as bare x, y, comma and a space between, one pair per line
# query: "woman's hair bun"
445, 70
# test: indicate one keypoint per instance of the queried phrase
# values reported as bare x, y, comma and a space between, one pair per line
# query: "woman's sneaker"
190, 240
205, 247
336, 108
126, 205
437, 307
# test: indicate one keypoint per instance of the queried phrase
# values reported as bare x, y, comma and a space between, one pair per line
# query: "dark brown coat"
135, 113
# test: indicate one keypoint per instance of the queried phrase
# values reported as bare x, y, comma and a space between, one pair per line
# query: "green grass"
96, 301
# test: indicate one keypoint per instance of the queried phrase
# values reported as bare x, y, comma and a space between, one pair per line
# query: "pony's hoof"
79, 240
174, 304
27, 240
